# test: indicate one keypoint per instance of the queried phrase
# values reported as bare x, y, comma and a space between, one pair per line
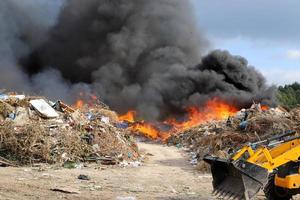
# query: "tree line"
289, 95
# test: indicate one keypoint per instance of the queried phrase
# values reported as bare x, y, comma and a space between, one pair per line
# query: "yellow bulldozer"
271, 166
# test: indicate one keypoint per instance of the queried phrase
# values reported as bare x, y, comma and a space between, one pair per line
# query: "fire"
214, 109
140, 127
79, 104
147, 129
85, 99
129, 116
264, 107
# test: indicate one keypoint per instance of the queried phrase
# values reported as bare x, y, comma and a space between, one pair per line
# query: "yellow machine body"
272, 165
289, 182
273, 158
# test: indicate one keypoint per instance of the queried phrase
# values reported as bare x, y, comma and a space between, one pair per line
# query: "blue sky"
266, 32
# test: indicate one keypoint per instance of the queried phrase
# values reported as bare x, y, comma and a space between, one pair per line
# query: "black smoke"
138, 54
24, 26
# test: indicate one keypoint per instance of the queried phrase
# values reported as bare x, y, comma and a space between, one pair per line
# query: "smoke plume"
134, 54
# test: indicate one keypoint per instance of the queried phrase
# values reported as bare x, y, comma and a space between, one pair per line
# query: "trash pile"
220, 138
36, 130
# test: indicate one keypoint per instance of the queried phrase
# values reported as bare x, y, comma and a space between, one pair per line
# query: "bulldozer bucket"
236, 180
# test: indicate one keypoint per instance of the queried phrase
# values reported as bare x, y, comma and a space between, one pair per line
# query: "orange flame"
147, 129
79, 104
85, 99
129, 116
264, 107
214, 109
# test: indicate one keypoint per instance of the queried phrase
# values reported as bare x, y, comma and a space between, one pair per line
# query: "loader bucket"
236, 180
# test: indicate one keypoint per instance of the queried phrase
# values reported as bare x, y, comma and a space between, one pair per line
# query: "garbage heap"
220, 138
36, 130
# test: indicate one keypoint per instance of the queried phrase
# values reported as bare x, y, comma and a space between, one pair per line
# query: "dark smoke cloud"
24, 26
11, 46
138, 54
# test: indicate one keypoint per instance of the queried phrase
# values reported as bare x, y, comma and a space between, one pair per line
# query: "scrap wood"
34, 97
66, 190
103, 160
65, 107
5, 162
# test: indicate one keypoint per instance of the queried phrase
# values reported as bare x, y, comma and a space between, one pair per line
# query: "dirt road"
166, 175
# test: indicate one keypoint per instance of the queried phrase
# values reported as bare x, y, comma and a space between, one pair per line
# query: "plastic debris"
71, 165
84, 177
90, 116
123, 125
243, 125
11, 116
133, 164
3, 97
105, 120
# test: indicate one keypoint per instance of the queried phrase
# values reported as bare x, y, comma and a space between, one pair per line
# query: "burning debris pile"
221, 137
36, 130
214, 109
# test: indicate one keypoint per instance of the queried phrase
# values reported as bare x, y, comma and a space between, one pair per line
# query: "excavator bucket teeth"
236, 180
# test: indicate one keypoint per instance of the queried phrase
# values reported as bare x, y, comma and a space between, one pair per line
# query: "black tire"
273, 192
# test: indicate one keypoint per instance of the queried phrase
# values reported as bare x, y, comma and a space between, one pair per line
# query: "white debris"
194, 158
43, 108
96, 147
241, 114
130, 164
126, 198
105, 120
3, 97
19, 97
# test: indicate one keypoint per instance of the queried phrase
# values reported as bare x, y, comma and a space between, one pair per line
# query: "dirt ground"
166, 175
